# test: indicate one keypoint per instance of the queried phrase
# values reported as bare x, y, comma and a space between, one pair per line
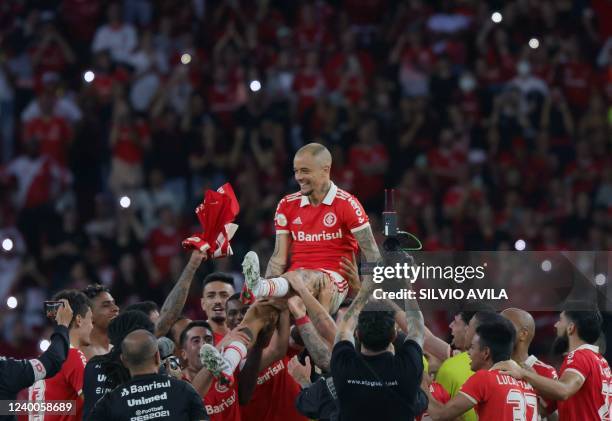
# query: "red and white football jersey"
66, 385
500, 397
321, 234
594, 399
543, 370
221, 402
440, 394
274, 396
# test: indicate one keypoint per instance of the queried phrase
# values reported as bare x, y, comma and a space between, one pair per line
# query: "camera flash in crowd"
546, 265
89, 76
496, 17
186, 58
7, 244
125, 202
12, 302
44, 345
255, 85
520, 244
534, 43
600, 279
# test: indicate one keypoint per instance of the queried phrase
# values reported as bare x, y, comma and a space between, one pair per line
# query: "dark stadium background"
491, 119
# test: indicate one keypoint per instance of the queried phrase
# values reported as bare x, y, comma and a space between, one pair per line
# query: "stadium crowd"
115, 117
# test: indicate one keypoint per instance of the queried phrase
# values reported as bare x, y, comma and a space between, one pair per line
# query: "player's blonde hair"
318, 151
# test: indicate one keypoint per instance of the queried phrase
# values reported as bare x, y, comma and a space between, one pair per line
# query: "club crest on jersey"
221, 388
281, 220
329, 220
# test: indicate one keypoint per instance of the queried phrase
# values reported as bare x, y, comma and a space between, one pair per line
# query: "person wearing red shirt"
370, 159
220, 401
163, 244
317, 226
439, 393
583, 390
53, 132
493, 394
271, 393
218, 288
308, 83
68, 383
525, 331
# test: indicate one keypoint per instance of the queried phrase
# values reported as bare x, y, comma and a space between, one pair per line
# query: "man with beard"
525, 330
67, 384
583, 390
104, 310
218, 287
494, 396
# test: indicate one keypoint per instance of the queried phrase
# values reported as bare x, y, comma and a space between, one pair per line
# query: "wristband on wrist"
302, 320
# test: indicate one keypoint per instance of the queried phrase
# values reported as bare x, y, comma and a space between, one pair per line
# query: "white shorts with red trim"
339, 291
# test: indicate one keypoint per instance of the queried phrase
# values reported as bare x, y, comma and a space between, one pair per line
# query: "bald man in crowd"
525, 331
318, 226
148, 394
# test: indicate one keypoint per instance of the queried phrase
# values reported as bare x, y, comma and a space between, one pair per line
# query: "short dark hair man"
217, 288
150, 308
148, 393
374, 383
68, 383
494, 396
18, 374
583, 390
104, 310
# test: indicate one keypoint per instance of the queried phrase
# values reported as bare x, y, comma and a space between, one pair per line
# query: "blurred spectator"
116, 36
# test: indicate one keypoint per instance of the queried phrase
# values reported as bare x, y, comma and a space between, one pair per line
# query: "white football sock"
273, 287
233, 354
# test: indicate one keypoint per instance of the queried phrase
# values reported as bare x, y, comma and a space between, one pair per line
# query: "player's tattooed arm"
173, 306
318, 348
280, 256
415, 322
367, 244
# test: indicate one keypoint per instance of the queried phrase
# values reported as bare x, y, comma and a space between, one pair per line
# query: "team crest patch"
329, 220
281, 220
221, 388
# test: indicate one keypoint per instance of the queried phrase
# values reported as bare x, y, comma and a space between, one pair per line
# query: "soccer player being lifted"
317, 227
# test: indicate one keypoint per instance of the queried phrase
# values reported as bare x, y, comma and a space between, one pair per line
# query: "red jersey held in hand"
66, 385
500, 397
321, 234
594, 399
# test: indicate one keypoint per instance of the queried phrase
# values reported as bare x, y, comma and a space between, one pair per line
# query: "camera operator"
148, 394
19, 374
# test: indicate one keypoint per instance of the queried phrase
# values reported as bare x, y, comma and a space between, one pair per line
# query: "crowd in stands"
115, 117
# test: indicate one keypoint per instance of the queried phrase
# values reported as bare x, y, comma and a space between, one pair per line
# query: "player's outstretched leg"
255, 286
214, 362
222, 364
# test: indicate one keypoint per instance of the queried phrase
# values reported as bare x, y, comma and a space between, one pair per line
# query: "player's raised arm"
278, 262
174, 303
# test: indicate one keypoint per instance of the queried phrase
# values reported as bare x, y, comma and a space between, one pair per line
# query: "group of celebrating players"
258, 351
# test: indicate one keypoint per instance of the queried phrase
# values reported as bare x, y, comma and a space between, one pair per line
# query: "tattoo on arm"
318, 349
367, 244
278, 261
415, 322
173, 306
